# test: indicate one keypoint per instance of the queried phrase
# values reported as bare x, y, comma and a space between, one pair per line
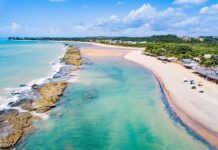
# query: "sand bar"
97, 49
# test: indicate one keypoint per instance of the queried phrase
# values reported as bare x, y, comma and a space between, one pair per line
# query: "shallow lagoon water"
114, 104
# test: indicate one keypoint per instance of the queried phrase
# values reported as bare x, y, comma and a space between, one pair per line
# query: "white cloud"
10, 28
190, 1
187, 22
213, 9
145, 11
14, 27
143, 20
146, 20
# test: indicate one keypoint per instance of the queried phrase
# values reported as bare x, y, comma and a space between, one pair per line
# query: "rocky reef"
14, 124
50, 93
72, 56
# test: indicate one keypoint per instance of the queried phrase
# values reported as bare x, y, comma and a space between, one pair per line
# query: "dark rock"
35, 86
25, 104
15, 93
87, 61
90, 95
56, 76
22, 85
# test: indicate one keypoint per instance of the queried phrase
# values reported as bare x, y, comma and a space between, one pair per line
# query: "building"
189, 63
162, 58
209, 74
172, 59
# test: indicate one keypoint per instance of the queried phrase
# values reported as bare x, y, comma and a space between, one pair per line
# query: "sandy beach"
198, 110
97, 49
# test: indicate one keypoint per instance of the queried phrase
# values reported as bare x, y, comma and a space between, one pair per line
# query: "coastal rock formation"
50, 93
12, 126
25, 104
72, 56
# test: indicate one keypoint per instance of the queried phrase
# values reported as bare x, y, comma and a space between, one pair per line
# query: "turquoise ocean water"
113, 104
23, 62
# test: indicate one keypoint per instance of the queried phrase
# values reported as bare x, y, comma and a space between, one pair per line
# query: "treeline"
182, 51
165, 45
47, 38
155, 39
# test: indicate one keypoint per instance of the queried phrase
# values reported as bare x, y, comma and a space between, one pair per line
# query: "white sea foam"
4, 106
73, 80
5, 100
43, 116
20, 109
55, 67
17, 90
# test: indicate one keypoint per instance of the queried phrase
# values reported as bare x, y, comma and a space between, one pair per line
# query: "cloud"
143, 21
147, 20
190, 1
10, 28
145, 11
14, 27
213, 9
187, 22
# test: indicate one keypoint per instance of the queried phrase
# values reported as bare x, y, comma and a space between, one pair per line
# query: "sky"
79, 18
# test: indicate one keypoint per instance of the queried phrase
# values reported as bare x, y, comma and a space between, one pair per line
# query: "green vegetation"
165, 45
155, 39
209, 62
182, 51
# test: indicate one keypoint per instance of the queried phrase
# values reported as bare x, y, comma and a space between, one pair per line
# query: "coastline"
119, 51
113, 46
16, 119
199, 127
193, 126
9, 92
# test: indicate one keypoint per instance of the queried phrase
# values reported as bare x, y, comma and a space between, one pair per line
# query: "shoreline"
193, 127
19, 115
114, 46
207, 136
10, 95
